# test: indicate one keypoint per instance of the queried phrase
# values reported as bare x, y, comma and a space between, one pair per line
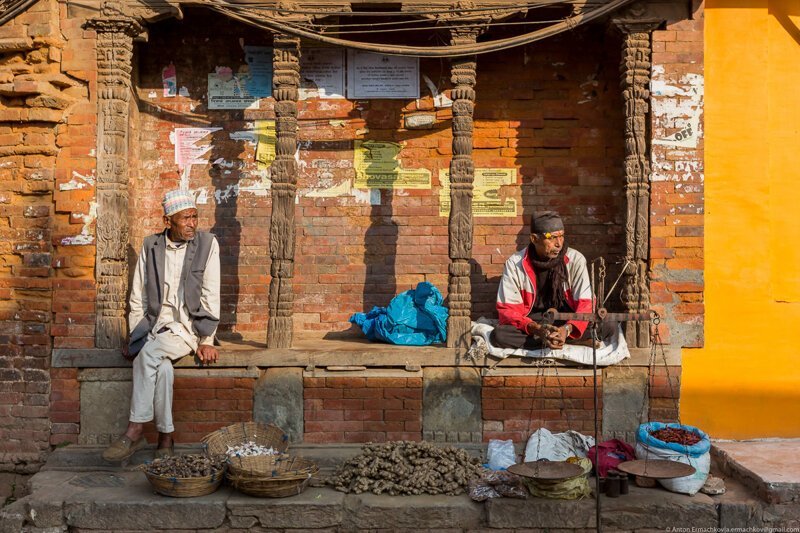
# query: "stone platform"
76, 492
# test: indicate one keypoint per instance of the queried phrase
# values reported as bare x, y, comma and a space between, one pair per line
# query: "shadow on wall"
225, 177
380, 253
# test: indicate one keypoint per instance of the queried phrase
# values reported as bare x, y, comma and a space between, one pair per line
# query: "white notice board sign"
381, 76
322, 73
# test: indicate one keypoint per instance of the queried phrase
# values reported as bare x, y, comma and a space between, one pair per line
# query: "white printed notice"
322, 73
380, 76
187, 150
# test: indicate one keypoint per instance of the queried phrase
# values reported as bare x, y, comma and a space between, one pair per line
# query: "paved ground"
76, 491
770, 467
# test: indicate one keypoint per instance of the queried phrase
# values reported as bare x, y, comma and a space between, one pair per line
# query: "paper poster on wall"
266, 139
259, 65
380, 76
377, 167
227, 90
322, 73
169, 80
187, 150
486, 200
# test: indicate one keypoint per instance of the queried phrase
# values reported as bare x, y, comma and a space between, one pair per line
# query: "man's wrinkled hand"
556, 338
126, 353
207, 354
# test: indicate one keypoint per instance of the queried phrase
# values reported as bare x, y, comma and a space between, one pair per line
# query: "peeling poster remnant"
265, 149
187, 151
85, 236
169, 80
377, 167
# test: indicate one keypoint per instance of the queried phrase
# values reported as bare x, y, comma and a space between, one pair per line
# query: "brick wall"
557, 120
356, 409
40, 94
516, 406
204, 404
665, 392
677, 193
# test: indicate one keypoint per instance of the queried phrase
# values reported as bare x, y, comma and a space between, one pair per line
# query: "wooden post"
635, 84
114, 53
462, 170
285, 82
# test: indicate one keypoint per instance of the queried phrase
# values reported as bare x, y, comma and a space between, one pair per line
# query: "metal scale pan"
656, 468
546, 470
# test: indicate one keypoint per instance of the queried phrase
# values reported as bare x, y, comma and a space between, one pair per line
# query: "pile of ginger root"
405, 467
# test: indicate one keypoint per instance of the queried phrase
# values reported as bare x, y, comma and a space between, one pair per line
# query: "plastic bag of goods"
676, 442
501, 454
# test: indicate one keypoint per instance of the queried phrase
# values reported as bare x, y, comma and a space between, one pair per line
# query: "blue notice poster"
259, 63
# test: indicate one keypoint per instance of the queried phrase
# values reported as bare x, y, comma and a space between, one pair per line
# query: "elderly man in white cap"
174, 311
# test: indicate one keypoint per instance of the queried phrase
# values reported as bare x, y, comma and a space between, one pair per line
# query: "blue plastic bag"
413, 318
695, 450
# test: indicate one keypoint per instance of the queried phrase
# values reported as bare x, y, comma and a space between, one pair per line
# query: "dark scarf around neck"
552, 290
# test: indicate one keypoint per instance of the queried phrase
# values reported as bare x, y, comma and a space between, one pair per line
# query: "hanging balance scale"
546, 470
656, 468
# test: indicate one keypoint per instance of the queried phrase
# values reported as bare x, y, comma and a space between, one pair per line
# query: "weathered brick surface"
202, 405
665, 392
37, 100
516, 406
353, 409
677, 193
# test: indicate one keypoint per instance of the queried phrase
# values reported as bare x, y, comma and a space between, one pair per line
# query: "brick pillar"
462, 170
114, 53
635, 84
286, 80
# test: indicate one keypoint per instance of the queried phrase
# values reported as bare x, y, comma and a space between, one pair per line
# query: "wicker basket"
186, 487
270, 476
269, 435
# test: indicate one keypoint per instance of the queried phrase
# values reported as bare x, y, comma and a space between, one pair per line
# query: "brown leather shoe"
123, 448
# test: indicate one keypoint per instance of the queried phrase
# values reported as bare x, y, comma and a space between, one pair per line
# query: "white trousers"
153, 377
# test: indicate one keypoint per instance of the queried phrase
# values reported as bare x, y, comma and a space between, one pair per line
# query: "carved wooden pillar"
462, 170
635, 83
285, 82
114, 53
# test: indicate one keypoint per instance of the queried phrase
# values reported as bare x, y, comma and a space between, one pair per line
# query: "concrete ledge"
324, 353
768, 467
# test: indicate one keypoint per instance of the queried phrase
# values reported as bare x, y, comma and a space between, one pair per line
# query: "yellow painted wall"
745, 382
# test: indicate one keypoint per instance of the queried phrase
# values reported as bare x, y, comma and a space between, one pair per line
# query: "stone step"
122, 500
769, 467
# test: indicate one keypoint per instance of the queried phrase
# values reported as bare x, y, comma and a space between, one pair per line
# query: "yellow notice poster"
486, 201
377, 167
265, 149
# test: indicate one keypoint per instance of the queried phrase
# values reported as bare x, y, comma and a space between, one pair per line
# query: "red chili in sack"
676, 436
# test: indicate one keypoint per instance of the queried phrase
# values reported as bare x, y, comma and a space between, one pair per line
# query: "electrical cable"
434, 51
